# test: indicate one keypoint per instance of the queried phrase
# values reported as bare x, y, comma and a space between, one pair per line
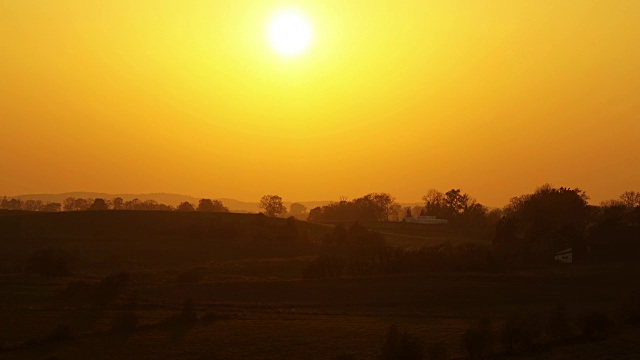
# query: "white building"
432, 220
565, 256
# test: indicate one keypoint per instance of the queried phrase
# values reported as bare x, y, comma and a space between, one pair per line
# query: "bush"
595, 325
401, 346
478, 341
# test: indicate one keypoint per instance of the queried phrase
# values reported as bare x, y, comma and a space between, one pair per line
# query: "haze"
495, 98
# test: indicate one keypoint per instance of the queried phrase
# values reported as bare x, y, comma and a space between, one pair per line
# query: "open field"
295, 319
254, 296
412, 235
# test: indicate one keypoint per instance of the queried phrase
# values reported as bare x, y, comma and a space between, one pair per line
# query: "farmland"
250, 298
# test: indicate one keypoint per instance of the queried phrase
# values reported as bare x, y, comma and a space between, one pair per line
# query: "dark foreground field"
254, 304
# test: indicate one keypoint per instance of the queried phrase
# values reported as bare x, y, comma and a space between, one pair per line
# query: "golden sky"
494, 97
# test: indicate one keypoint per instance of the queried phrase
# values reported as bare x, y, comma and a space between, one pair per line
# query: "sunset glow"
494, 98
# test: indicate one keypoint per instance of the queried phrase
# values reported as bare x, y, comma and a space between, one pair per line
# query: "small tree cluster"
15, 204
369, 208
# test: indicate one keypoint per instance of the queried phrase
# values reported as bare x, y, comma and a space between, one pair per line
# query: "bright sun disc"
290, 33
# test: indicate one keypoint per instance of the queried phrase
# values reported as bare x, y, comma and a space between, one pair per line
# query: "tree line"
99, 204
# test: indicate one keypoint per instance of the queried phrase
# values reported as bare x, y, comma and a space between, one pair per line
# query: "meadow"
248, 300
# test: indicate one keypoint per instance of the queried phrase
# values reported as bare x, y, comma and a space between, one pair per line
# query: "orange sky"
493, 97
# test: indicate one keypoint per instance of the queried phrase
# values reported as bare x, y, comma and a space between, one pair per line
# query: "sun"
290, 32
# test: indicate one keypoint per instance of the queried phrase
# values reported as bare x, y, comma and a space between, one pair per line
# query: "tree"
298, 211
69, 204
455, 206
385, 205
208, 205
118, 203
99, 205
33, 205
52, 207
185, 206
563, 212
407, 213
11, 204
630, 199
272, 205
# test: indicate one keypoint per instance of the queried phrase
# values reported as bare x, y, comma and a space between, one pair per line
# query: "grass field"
260, 306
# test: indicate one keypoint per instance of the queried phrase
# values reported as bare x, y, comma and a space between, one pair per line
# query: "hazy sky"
494, 97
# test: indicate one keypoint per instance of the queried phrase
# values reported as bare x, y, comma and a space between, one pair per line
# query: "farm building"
565, 256
426, 219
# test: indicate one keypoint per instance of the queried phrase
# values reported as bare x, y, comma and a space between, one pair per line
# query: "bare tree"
630, 199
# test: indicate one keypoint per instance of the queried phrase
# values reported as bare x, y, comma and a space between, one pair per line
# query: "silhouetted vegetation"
208, 205
536, 226
371, 207
272, 205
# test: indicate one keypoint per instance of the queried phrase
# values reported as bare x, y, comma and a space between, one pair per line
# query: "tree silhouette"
272, 205
298, 210
52, 207
69, 204
185, 206
33, 205
10, 204
630, 199
118, 203
99, 205
208, 205
559, 213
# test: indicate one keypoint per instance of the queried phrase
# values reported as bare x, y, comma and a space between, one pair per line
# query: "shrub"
478, 341
595, 325
401, 346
